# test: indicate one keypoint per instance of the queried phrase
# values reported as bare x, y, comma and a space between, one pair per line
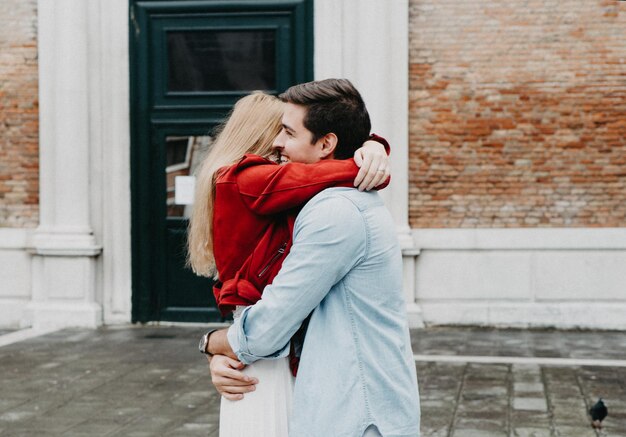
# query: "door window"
184, 154
221, 60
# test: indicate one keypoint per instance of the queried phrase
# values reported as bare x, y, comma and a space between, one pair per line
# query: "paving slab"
140, 381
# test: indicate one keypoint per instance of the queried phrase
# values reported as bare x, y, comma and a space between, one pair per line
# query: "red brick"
19, 126
536, 121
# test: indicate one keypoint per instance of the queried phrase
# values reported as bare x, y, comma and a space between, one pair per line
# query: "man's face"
293, 143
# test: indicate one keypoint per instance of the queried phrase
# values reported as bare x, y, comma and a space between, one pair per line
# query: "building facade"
507, 122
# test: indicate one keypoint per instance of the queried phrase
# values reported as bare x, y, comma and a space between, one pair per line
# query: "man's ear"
328, 145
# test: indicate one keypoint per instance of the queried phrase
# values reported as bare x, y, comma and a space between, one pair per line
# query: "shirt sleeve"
329, 241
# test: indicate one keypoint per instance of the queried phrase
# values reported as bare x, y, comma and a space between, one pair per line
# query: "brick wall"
517, 113
19, 125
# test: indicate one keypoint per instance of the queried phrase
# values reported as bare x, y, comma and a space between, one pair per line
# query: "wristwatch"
204, 343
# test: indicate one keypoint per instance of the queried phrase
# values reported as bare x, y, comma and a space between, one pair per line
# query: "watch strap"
205, 342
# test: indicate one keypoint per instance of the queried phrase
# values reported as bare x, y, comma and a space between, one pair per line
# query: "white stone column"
64, 267
367, 42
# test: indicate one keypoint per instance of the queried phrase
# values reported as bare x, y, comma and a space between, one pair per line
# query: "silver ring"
380, 169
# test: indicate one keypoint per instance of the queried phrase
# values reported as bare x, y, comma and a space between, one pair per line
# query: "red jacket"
256, 203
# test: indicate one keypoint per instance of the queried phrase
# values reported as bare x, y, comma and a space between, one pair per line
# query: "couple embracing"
311, 268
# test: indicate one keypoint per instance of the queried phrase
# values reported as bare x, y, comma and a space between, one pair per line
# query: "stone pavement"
151, 381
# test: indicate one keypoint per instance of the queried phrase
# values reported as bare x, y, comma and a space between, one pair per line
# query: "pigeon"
598, 412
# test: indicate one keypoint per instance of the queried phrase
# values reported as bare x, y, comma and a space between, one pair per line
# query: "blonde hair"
251, 127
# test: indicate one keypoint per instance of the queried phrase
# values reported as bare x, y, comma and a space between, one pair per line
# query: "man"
357, 375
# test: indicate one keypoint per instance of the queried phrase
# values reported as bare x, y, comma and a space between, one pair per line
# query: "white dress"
264, 412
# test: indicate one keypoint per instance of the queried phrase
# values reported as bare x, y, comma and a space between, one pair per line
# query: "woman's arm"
267, 188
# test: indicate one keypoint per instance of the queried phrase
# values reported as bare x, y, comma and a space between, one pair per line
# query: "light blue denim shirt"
357, 366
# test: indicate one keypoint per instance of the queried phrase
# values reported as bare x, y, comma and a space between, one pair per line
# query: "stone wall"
19, 124
517, 113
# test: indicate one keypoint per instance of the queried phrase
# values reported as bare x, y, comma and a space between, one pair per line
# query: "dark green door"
190, 61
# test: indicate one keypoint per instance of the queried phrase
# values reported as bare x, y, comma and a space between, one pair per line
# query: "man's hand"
228, 379
373, 163
218, 344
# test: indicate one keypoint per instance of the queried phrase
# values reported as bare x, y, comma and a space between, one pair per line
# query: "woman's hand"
228, 379
373, 163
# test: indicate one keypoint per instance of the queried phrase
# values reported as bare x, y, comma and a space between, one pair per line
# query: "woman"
241, 229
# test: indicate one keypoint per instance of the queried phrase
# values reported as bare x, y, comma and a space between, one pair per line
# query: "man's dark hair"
333, 105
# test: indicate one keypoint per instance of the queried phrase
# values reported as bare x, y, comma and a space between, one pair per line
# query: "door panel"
190, 61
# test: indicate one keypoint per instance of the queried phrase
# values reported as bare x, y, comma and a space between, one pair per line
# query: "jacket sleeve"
267, 188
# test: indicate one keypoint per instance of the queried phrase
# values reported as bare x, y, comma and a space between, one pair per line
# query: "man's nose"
278, 143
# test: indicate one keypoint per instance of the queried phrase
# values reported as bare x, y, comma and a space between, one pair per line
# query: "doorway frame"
146, 114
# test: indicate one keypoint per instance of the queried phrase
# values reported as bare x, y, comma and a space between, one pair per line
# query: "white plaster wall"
505, 277
366, 41
92, 69
15, 271
109, 138
566, 278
